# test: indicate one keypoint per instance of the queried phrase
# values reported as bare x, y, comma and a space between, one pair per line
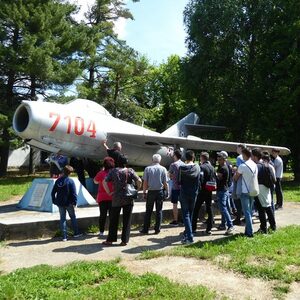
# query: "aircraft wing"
189, 142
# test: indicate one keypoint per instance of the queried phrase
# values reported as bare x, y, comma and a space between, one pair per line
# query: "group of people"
252, 180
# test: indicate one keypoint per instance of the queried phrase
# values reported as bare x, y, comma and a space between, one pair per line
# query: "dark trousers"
114, 222
278, 191
104, 207
156, 197
203, 196
262, 211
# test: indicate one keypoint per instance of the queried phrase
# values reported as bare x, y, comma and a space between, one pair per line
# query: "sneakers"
157, 231
278, 206
64, 240
174, 223
78, 235
230, 231
142, 231
221, 227
207, 232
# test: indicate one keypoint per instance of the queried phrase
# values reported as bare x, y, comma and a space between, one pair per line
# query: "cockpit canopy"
90, 105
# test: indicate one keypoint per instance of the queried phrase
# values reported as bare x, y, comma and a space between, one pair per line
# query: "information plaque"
38, 194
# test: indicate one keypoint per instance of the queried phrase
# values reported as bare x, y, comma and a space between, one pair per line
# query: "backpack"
208, 182
267, 178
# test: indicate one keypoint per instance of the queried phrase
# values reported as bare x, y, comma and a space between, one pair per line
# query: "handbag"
130, 190
211, 186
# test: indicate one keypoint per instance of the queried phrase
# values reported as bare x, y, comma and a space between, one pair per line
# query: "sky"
157, 30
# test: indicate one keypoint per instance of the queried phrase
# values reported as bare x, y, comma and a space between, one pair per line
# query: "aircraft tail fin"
189, 125
179, 129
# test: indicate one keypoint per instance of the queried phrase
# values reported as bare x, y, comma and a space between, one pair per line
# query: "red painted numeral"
79, 122
52, 114
68, 119
79, 128
92, 129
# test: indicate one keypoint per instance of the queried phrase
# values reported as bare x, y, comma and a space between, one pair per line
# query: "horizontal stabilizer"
194, 129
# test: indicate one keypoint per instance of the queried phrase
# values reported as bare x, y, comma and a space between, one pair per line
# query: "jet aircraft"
78, 129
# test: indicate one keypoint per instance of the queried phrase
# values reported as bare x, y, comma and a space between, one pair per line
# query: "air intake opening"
21, 119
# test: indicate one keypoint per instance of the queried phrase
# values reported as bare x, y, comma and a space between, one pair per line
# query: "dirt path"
23, 254
201, 272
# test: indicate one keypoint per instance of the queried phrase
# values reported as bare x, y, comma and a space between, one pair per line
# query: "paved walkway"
27, 253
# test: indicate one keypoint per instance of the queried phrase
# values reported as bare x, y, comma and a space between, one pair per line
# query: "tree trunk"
32, 154
4, 151
296, 167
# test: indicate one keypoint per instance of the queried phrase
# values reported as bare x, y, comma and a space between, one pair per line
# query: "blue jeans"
223, 201
63, 222
247, 204
187, 202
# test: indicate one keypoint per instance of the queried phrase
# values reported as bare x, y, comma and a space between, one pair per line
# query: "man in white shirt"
278, 166
248, 171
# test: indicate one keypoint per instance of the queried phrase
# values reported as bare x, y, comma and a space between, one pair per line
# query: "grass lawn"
273, 257
93, 280
15, 185
291, 191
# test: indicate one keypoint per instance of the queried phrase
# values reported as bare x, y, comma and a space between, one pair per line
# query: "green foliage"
164, 90
94, 280
93, 229
243, 68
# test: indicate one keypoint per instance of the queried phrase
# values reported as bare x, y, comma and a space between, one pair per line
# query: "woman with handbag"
122, 198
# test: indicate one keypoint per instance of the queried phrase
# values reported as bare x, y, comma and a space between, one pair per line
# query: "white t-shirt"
249, 176
278, 165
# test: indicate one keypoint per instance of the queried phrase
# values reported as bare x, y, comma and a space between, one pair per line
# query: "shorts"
175, 196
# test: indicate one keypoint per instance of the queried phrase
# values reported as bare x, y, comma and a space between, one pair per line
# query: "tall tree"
239, 67
40, 48
120, 82
164, 94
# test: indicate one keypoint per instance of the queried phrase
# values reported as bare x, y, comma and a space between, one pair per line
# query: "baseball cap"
223, 154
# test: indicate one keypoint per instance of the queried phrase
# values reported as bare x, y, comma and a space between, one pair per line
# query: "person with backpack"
65, 197
266, 180
207, 186
189, 180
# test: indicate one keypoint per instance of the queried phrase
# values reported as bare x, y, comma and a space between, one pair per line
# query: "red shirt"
102, 195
